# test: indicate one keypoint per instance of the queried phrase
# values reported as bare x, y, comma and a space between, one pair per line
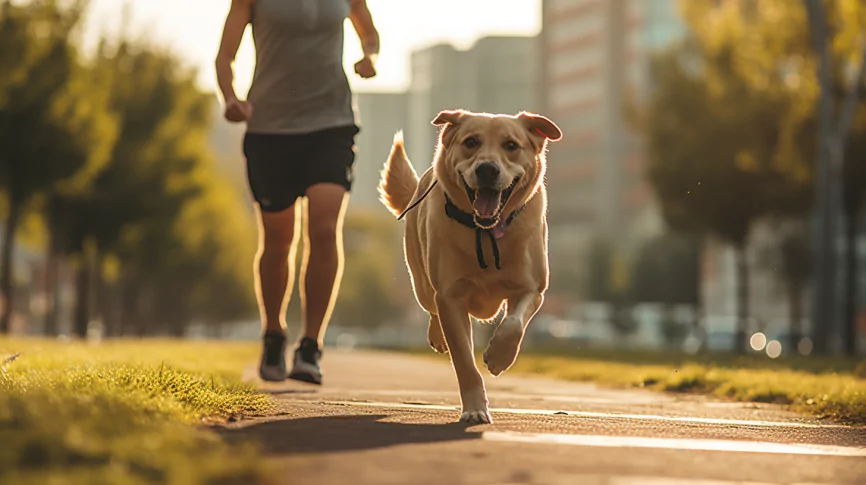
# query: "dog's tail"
399, 180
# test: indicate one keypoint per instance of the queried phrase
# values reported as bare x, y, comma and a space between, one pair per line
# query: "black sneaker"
306, 364
273, 365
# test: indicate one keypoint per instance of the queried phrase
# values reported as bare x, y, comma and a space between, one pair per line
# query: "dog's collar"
471, 221
481, 225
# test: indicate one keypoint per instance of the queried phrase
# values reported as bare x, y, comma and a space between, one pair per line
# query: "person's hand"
238, 111
366, 67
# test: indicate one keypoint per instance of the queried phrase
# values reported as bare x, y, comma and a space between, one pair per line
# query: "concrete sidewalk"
386, 418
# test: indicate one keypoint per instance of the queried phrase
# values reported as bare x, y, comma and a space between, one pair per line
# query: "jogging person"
299, 146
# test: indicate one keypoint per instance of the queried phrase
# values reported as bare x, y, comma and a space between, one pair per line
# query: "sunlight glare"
758, 341
805, 346
774, 349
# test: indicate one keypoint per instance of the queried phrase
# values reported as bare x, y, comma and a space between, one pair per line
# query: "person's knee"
323, 234
278, 241
278, 232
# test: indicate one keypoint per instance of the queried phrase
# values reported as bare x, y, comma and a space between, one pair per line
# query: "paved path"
386, 418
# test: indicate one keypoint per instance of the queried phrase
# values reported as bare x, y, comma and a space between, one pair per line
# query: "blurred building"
380, 116
496, 75
594, 55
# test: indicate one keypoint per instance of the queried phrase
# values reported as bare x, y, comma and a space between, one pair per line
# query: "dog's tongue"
486, 202
499, 230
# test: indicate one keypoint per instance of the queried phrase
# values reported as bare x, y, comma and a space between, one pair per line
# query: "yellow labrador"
476, 236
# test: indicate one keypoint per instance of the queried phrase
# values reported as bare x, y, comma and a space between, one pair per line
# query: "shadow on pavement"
343, 433
277, 392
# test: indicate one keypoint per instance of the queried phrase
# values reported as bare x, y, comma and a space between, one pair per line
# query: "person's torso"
299, 84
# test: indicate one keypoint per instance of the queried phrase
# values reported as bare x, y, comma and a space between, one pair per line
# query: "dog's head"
491, 164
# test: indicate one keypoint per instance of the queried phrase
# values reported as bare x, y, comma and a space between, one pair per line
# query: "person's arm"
233, 31
362, 20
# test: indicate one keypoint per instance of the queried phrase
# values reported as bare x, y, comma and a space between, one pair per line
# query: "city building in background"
594, 54
381, 115
496, 75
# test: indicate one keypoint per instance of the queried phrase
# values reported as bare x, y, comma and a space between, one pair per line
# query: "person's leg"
274, 277
328, 177
275, 266
321, 272
322, 267
272, 187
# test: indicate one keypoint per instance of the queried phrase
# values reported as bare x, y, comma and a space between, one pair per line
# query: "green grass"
832, 388
124, 413
827, 388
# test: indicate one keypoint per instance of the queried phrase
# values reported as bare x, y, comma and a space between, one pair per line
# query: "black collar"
481, 225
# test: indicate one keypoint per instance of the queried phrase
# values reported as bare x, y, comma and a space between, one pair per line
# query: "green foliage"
55, 128
713, 144
732, 124
369, 294
117, 148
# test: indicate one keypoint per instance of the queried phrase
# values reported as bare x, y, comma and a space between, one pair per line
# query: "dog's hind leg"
505, 344
435, 337
457, 329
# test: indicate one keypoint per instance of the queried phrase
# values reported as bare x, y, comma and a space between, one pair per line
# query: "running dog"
482, 201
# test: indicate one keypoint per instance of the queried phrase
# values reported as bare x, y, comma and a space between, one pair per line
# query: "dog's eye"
510, 146
471, 142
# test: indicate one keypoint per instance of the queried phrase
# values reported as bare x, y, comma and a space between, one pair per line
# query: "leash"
415, 204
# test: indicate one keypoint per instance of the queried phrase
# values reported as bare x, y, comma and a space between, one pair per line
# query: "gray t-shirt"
299, 84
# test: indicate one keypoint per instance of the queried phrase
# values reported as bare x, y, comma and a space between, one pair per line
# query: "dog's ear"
448, 117
540, 126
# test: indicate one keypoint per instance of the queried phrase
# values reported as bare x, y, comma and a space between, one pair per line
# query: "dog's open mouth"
487, 202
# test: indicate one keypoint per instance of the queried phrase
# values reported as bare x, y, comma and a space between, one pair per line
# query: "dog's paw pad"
476, 417
500, 358
503, 349
439, 348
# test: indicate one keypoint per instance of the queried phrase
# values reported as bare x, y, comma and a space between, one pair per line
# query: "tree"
712, 146
834, 135
815, 45
56, 130
161, 172
853, 202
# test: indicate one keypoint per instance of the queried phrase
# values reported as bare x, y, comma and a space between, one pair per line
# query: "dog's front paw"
436, 338
504, 346
475, 407
480, 416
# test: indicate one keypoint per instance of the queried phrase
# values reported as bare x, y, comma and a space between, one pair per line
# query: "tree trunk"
99, 289
832, 138
177, 329
50, 329
128, 305
849, 326
698, 315
82, 299
795, 314
108, 307
7, 257
742, 278
823, 282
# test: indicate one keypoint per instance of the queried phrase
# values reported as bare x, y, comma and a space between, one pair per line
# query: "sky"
193, 28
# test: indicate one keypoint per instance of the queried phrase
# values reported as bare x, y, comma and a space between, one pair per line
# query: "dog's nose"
486, 173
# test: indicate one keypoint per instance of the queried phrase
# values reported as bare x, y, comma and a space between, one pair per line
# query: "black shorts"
281, 167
